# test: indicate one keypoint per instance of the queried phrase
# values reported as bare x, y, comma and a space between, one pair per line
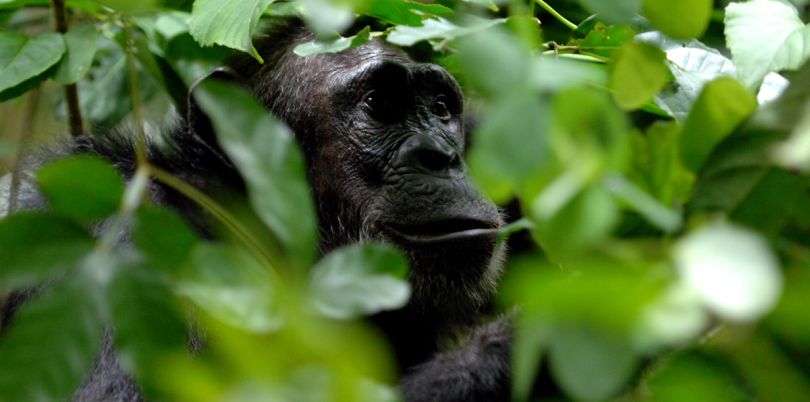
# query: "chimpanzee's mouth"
442, 230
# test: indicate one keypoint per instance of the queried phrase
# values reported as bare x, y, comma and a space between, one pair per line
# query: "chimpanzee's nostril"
428, 154
434, 160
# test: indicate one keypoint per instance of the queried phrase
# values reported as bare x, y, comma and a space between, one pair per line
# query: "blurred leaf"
680, 19
359, 280
528, 346
52, 344
588, 365
231, 286
268, 158
613, 11
719, 109
690, 376
230, 23
85, 188
400, 12
438, 29
336, 45
673, 320
511, 144
23, 58
586, 220
495, 62
548, 73
765, 36
657, 156
148, 326
732, 269
604, 40
81, 47
35, 246
662, 217
131, 7
164, 237
638, 72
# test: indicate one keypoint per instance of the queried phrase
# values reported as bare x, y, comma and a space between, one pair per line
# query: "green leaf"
52, 344
164, 237
336, 45
511, 145
269, 159
680, 19
613, 11
230, 285
81, 47
23, 58
719, 109
85, 188
587, 219
229, 23
765, 36
732, 269
438, 29
605, 40
691, 376
662, 217
638, 73
588, 365
34, 246
400, 12
131, 7
359, 280
148, 325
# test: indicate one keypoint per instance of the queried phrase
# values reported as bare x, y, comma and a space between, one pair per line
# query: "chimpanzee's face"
384, 139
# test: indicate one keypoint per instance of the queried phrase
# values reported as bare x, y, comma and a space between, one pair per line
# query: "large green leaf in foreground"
269, 159
358, 280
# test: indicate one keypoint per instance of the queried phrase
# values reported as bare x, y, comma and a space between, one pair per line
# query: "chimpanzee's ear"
197, 123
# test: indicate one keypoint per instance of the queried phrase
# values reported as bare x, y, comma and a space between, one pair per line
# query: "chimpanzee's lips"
442, 230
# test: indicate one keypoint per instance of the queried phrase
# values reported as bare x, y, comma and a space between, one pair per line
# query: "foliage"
658, 151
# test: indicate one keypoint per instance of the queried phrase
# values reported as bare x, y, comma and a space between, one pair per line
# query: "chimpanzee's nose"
428, 154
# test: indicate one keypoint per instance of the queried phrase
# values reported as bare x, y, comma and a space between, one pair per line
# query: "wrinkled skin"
384, 138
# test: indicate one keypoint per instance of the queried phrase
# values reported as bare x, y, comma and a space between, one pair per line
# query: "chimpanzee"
383, 138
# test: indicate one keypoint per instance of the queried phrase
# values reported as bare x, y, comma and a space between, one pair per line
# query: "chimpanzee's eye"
376, 102
441, 107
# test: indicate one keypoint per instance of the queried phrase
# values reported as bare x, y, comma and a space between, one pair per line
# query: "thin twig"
556, 15
71, 91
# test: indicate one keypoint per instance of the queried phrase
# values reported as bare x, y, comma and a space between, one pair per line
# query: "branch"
71, 92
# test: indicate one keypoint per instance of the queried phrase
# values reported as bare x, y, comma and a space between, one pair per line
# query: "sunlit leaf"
732, 269
638, 72
269, 159
333, 45
680, 19
400, 12
229, 23
34, 246
438, 29
719, 109
765, 36
23, 58
84, 188
359, 280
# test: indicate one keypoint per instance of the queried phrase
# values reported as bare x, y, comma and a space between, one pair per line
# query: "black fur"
384, 161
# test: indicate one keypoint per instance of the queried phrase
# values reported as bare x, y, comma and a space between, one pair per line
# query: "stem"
135, 93
242, 234
25, 134
71, 92
556, 15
